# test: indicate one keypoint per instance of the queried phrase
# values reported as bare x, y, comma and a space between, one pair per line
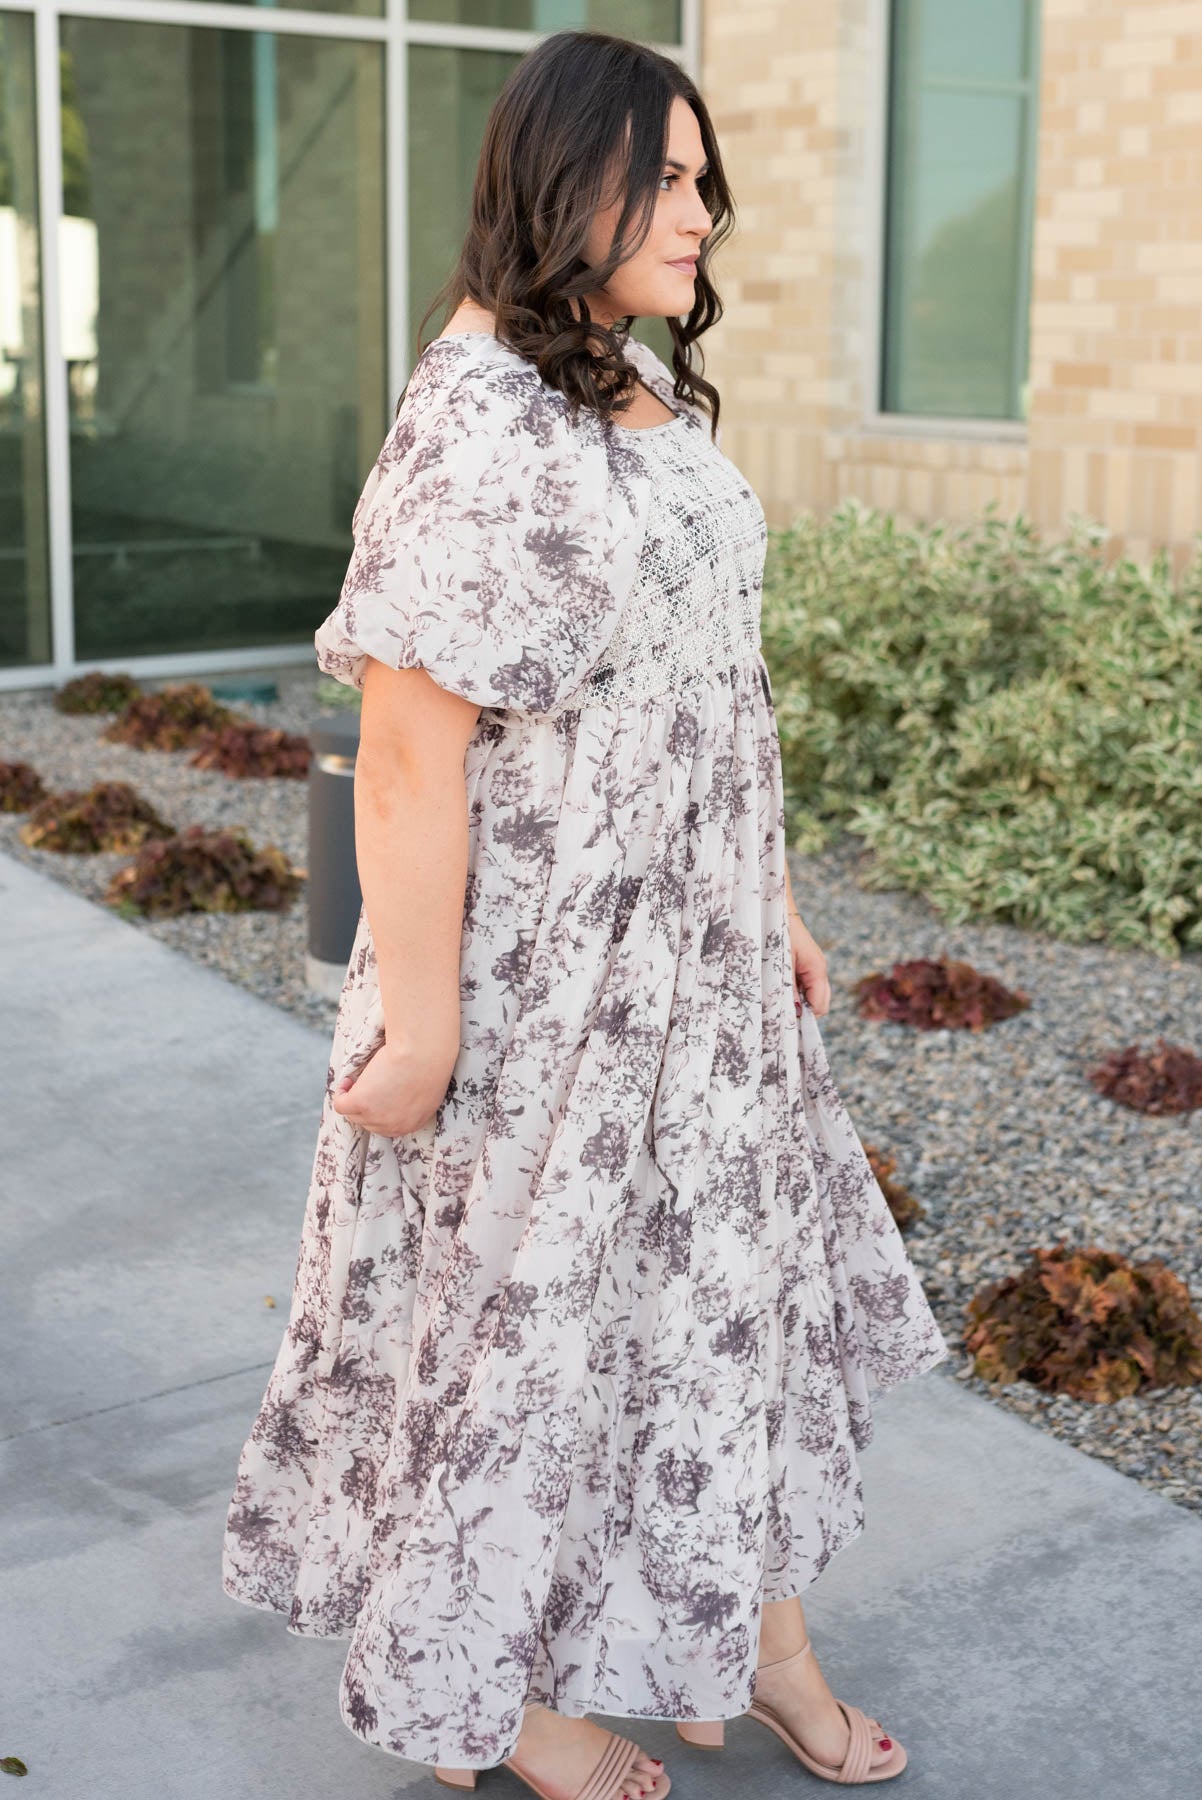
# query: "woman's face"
658, 279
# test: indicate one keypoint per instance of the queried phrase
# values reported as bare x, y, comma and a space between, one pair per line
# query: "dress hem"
575, 1711
279, 1612
855, 1527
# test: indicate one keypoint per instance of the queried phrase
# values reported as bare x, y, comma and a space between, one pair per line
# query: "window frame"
875, 419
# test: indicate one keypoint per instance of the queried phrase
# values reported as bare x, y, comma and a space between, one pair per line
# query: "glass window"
960, 181
24, 568
223, 317
364, 9
451, 93
654, 21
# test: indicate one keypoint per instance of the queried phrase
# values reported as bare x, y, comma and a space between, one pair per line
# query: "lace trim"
695, 605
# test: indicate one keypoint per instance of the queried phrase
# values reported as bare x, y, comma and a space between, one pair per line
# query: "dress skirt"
576, 1374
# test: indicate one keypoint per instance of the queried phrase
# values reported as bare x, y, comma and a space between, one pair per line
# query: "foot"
799, 1693
560, 1754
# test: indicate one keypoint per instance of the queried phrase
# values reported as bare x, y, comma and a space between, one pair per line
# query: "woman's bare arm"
411, 846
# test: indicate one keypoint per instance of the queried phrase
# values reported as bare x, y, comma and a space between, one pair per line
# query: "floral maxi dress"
576, 1373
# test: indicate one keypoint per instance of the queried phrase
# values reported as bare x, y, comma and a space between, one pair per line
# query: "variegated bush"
1014, 726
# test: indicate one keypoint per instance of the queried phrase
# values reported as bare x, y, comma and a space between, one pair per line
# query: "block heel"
707, 1734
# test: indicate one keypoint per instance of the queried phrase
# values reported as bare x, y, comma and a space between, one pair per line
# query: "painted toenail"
885, 1743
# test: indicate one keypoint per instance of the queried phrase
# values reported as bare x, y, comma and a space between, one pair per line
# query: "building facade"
967, 266
970, 262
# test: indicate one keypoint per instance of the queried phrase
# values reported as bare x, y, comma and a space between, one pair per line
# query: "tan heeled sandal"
604, 1781
857, 1765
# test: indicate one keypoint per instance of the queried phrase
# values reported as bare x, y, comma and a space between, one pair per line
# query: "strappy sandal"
604, 1781
857, 1765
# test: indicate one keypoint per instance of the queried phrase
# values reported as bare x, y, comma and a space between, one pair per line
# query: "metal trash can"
335, 899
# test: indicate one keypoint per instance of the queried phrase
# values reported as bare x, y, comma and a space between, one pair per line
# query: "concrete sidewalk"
1027, 1620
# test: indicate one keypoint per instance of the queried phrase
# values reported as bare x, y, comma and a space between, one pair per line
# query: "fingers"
813, 986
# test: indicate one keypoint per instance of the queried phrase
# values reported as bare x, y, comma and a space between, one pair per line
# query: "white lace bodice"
695, 604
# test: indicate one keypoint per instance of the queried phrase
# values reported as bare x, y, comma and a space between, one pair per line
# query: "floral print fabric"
494, 541
576, 1374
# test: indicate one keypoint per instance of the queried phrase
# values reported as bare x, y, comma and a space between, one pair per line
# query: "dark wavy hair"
578, 105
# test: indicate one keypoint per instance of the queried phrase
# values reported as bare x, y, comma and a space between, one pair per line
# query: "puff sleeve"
495, 541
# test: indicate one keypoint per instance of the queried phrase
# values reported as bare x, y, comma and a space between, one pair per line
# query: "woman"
594, 1270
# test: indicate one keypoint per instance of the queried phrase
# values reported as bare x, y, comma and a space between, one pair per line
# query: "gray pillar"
335, 899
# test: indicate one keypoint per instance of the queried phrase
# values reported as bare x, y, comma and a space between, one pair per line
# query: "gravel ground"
998, 1134
262, 951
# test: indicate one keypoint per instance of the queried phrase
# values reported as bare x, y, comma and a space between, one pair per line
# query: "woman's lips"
688, 264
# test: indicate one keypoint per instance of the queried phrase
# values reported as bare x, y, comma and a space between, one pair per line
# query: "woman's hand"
398, 1089
809, 967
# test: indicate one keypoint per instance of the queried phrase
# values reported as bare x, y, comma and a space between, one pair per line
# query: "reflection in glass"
959, 218
223, 310
363, 9
24, 567
451, 93
653, 21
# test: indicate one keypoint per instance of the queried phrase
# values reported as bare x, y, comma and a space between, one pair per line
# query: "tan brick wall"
1115, 423
769, 75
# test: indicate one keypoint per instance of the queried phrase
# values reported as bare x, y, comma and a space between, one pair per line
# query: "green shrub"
20, 787
200, 870
1087, 1323
1014, 727
110, 815
96, 692
334, 694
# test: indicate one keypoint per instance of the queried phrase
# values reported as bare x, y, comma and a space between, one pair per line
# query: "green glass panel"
967, 38
651, 21
958, 223
364, 9
24, 568
224, 313
451, 93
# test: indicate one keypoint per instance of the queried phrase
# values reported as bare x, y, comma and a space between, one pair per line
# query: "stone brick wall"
796, 88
